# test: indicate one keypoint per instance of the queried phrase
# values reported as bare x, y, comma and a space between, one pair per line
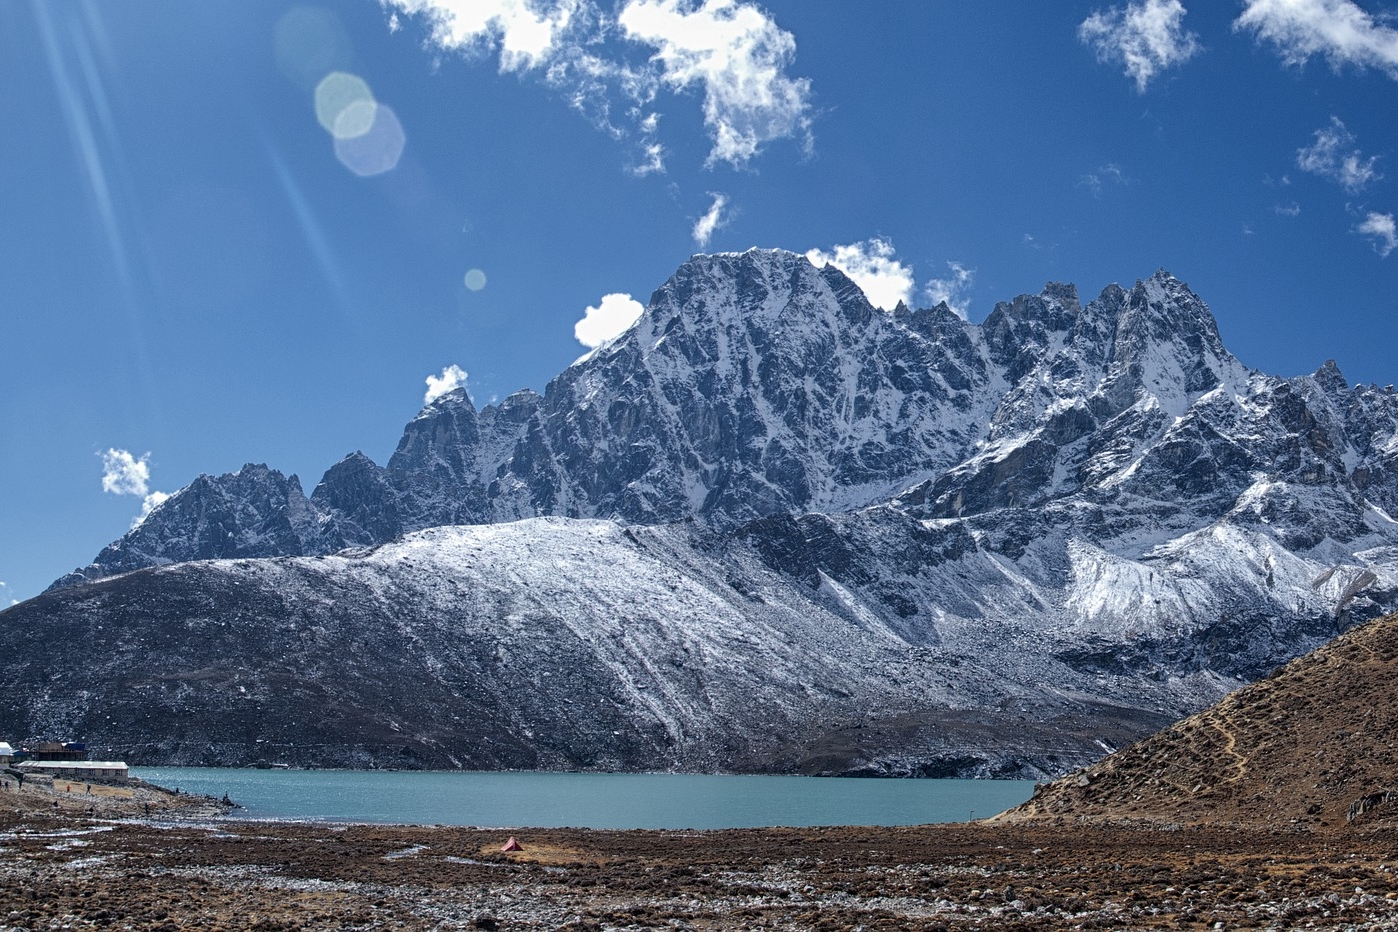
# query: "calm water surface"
591, 800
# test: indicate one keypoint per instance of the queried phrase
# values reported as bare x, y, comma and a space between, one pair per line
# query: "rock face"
254, 512
557, 643
1309, 746
1096, 509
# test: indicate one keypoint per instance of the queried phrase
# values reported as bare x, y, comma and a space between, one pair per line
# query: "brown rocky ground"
45, 796
75, 873
1311, 746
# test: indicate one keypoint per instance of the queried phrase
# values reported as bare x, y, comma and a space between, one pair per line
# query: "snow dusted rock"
1003, 543
565, 643
254, 512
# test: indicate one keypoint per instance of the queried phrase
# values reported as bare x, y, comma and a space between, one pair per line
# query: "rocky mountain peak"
795, 503
760, 289
253, 512
1330, 378
755, 384
1163, 309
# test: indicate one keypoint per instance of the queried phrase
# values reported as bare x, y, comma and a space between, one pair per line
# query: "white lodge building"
79, 771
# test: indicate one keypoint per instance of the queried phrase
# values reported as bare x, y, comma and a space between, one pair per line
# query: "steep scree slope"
1310, 746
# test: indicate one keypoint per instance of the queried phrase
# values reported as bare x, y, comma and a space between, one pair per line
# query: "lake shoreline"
56, 796
589, 800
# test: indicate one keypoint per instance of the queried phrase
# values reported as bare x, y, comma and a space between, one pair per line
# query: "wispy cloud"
731, 51
1144, 38
612, 316
1287, 210
873, 266
713, 218
1109, 175
954, 290
6, 594
452, 378
1339, 30
1332, 156
1383, 230
650, 149
124, 473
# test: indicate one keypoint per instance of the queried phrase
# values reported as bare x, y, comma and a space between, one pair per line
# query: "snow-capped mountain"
1002, 543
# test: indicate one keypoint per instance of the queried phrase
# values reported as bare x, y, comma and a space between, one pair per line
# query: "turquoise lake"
591, 800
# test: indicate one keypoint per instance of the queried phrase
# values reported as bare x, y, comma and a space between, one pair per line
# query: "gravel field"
72, 871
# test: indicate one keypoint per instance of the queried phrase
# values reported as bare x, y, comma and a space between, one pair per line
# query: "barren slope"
1310, 746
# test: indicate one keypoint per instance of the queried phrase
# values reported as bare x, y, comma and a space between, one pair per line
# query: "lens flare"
377, 150
338, 92
310, 41
355, 120
475, 279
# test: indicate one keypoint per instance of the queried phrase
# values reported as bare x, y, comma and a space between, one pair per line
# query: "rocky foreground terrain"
89, 874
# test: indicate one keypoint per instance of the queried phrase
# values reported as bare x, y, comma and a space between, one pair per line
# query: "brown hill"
1311, 746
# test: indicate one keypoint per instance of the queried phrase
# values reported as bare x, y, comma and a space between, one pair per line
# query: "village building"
7, 754
57, 750
78, 771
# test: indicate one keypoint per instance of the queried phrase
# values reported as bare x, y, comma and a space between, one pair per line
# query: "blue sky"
196, 272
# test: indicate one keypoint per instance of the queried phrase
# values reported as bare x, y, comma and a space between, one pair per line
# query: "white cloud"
712, 220
953, 289
1339, 30
729, 49
871, 265
527, 34
738, 55
1384, 231
1144, 38
452, 378
124, 474
1287, 210
1327, 157
610, 318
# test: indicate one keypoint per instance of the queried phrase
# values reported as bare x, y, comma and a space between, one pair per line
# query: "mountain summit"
1006, 544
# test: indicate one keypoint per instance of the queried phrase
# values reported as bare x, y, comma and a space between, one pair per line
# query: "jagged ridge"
1104, 484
